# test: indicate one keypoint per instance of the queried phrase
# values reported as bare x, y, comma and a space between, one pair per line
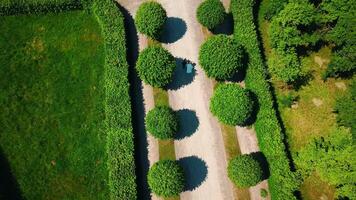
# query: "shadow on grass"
138, 110
173, 30
195, 171
180, 77
261, 159
227, 27
9, 188
188, 123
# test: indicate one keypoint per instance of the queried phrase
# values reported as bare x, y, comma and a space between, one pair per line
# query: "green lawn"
51, 99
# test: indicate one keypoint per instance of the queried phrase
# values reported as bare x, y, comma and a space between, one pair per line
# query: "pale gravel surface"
207, 142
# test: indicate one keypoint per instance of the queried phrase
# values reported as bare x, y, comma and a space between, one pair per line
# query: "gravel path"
207, 142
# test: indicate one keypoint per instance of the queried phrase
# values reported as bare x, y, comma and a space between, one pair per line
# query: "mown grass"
51, 99
312, 115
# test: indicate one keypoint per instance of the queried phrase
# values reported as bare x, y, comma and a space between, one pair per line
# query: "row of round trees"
221, 57
155, 66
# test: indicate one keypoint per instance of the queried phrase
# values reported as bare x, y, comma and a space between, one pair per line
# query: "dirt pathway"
206, 143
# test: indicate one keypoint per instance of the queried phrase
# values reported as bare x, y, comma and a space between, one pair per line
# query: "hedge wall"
282, 181
13, 7
120, 146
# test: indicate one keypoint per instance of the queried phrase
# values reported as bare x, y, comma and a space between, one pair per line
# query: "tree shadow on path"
195, 171
173, 30
261, 159
188, 123
180, 77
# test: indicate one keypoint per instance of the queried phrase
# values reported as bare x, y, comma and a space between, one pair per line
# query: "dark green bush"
345, 108
221, 57
272, 8
162, 122
288, 99
231, 104
166, 178
120, 146
13, 7
245, 171
343, 62
150, 19
211, 13
155, 66
282, 181
285, 65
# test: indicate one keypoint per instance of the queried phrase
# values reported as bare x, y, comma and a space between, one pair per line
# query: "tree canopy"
221, 57
150, 19
211, 13
232, 104
162, 122
166, 178
155, 66
245, 171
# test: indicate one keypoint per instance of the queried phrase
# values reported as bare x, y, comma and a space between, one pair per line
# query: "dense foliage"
272, 8
345, 108
13, 7
282, 181
120, 146
52, 132
287, 34
232, 104
211, 13
245, 171
162, 122
155, 66
333, 159
221, 57
150, 19
166, 178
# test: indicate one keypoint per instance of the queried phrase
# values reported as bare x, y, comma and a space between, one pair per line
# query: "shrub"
150, 19
220, 57
211, 13
155, 66
285, 65
120, 146
245, 171
166, 178
343, 62
231, 104
272, 8
162, 122
14, 7
282, 181
263, 193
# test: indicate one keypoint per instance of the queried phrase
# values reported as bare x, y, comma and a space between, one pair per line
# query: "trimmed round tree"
150, 19
211, 13
221, 57
166, 178
162, 122
245, 171
232, 104
155, 66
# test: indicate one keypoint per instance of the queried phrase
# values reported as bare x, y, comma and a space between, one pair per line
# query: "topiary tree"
263, 193
166, 178
232, 104
150, 19
221, 57
155, 66
211, 13
162, 122
245, 171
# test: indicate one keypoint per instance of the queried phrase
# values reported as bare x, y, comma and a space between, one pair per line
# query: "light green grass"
51, 95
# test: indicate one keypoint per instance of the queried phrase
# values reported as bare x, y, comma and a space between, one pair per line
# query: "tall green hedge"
282, 181
120, 146
13, 7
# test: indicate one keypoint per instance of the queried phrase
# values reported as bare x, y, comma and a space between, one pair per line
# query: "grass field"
51, 99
